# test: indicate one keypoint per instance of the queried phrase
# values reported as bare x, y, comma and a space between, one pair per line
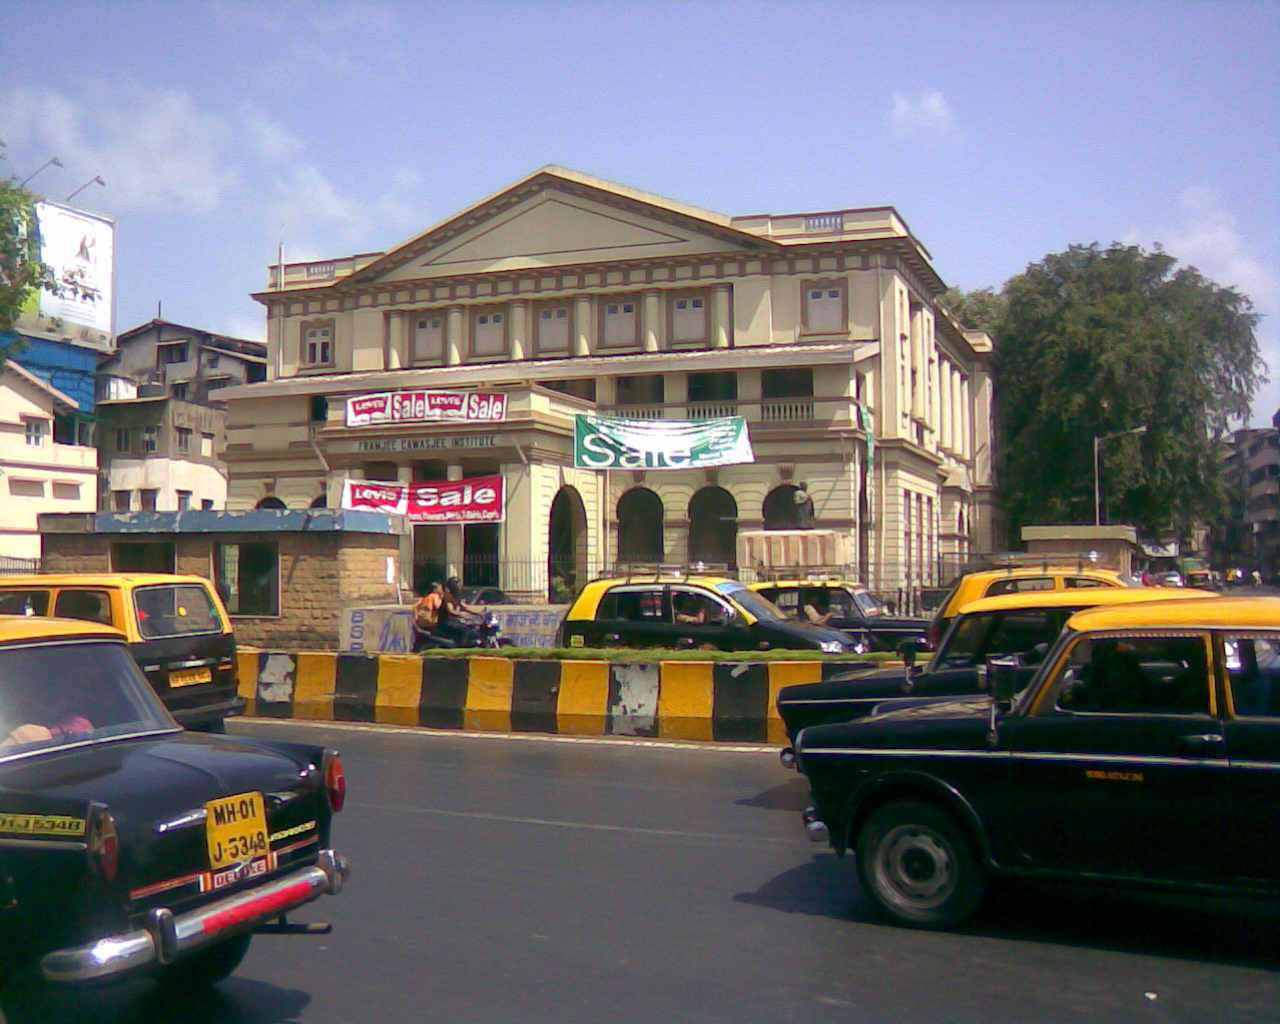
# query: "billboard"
608, 442
426, 407
80, 249
476, 499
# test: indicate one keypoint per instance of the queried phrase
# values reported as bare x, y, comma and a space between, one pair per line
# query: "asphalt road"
540, 880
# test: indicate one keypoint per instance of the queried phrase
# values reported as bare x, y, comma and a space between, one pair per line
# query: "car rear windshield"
52, 694
175, 609
24, 602
757, 604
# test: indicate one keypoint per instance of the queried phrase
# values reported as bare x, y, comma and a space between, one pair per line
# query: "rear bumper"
167, 937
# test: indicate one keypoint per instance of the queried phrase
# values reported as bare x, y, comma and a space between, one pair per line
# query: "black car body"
1021, 626
1146, 751
851, 608
128, 845
689, 612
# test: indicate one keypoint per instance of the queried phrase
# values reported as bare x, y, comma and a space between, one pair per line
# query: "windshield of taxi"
867, 604
54, 694
758, 605
175, 610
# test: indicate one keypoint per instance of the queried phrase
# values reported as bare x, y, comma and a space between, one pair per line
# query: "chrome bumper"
166, 937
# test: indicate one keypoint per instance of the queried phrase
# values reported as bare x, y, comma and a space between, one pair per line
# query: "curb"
731, 702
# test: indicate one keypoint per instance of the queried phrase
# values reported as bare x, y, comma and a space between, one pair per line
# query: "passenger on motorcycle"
452, 624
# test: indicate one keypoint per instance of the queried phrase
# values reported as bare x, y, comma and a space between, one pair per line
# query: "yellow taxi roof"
1081, 596
71, 579
798, 582
1215, 612
588, 599
39, 627
1046, 569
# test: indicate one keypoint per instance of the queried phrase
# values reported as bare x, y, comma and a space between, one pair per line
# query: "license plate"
191, 677
236, 829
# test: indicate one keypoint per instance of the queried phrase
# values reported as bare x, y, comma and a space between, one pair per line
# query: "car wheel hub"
916, 865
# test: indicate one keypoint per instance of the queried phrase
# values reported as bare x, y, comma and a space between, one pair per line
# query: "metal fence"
18, 566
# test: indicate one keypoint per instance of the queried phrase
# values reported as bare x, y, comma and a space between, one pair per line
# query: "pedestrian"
804, 507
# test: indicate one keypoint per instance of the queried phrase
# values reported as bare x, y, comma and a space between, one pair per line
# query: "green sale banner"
607, 442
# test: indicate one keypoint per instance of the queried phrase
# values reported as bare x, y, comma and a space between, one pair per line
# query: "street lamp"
85, 186
1097, 491
53, 161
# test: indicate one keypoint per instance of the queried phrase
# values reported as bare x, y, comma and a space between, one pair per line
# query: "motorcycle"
481, 634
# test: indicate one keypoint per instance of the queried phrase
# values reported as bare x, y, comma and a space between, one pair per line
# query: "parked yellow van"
177, 628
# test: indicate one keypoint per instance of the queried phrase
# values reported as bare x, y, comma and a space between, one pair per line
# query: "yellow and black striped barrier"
684, 700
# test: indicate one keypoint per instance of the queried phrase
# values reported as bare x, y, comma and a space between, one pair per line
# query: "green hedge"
650, 654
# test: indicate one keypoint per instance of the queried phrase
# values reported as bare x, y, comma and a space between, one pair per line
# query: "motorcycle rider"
452, 625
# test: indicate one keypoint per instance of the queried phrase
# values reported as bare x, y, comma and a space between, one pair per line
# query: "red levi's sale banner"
477, 499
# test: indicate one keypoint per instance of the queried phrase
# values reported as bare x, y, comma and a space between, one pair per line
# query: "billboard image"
80, 249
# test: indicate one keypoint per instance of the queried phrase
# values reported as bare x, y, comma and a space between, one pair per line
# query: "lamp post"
1097, 490
85, 186
53, 161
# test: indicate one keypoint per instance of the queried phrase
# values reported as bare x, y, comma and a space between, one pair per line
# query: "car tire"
915, 861
206, 967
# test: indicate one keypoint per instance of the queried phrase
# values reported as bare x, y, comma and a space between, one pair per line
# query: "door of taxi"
1253, 746
700, 620
1118, 767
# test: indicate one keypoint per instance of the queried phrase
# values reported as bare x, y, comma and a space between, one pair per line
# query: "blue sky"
1000, 131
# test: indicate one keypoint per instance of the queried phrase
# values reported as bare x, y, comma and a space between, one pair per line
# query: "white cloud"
928, 113
250, 329
153, 148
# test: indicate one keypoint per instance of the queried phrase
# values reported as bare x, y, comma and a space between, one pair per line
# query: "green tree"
21, 269
981, 310
1095, 341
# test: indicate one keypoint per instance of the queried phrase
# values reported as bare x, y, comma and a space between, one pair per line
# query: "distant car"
1145, 751
1169, 579
176, 625
688, 612
1018, 626
129, 846
1018, 577
850, 608
484, 595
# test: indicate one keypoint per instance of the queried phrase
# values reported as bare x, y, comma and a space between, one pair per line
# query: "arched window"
566, 545
713, 527
321, 500
270, 501
781, 510
640, 526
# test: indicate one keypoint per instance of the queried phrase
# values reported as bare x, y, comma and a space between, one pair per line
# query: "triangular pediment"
555, 224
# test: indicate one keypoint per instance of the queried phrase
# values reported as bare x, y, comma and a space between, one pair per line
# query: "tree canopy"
1094, 342
21, 269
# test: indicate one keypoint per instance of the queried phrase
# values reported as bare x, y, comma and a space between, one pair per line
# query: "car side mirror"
1002, 680
910, 650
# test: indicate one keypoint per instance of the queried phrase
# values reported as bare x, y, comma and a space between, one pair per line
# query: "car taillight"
104, 844
935, 634
335, 780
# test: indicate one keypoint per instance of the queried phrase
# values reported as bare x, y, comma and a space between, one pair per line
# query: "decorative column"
652, 326
518, 312
944, 404
582, 329
393, 358
454, 326
721, 319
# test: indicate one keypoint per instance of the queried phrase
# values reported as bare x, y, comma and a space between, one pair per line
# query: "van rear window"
24, 602
176, 609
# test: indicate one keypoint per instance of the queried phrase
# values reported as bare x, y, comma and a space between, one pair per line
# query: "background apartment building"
1250, 537
568, 294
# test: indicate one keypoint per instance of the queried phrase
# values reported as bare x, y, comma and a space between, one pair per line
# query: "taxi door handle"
1203, 741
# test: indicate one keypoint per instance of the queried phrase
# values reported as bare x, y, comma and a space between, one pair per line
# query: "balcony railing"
763, 411
786, 410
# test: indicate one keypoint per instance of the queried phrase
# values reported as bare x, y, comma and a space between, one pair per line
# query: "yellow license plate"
191, 677
236, 829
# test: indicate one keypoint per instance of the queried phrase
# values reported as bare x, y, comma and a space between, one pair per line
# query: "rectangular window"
688, 319
143, 556
120, 500
317, 345
718, 386
179, 390
206, 504
149, 496
428, 339
169, 354
66, 490
620, 324
206, 445
184, 500
641, 390
150, 438
578, 388
552, 330
788, 383
248, 577
824, 309
488, 333
124, 439
34, 432
184, 439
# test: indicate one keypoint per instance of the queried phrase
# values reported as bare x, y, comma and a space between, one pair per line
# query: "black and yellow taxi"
1021, 574
679, 611
176, 627
130, 846
1017, 626
1146, 751
844, 605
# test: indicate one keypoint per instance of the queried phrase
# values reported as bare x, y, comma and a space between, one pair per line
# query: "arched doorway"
320, 501
567, 545
270, 502
781, 511
713, 527
640, 526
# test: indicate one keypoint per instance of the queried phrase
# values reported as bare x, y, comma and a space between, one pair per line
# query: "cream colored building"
570, 294
47, 460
